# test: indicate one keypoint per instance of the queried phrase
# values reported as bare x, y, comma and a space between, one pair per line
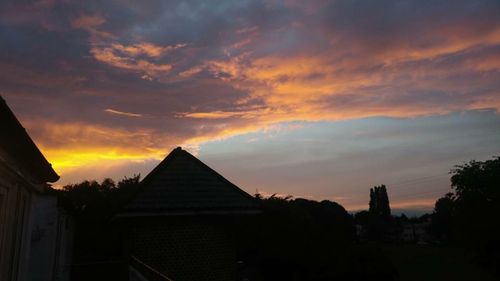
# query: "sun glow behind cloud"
75, 157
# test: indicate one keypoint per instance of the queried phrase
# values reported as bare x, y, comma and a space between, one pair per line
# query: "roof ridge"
174, 185
33, 158
162, 164
143, 182
221, 177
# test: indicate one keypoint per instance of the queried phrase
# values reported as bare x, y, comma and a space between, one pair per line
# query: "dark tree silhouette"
377, 223
477, 206
469, 215
90, 200
98, 246
379, 202
363, 217
477, 181
300, 239
441, 218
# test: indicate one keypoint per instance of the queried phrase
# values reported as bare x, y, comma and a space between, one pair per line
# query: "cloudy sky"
316, 99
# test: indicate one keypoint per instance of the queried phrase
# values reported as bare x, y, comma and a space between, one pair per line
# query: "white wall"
51, 241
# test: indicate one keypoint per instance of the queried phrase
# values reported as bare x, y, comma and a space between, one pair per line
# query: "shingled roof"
15, 141
183, 185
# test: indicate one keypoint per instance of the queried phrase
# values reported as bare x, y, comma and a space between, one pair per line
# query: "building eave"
16, 141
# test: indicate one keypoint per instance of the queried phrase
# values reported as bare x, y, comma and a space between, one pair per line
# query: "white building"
35, 234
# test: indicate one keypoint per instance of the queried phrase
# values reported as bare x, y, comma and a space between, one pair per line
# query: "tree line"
315, 239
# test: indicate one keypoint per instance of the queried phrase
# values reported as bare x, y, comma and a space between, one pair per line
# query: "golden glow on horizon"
397, 204
77, 145
62, 160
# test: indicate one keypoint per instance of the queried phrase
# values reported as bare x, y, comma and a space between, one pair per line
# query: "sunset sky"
315, 99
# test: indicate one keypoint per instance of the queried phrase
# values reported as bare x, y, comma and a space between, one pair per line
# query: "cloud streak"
117, 112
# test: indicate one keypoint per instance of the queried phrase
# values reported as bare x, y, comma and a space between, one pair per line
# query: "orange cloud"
342, 77
254, 113
212, 115
290, 88
191, 72
109, 56
91, 24
87, 21
106, 50
242, 43
245, 30
129, 114
297, 87
148, 49
220, 133
455, 41
409, 204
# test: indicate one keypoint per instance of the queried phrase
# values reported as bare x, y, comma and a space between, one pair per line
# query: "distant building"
416, 231
179, 223
35, 234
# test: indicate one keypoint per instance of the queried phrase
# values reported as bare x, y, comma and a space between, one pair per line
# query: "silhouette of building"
35, 234
180, 222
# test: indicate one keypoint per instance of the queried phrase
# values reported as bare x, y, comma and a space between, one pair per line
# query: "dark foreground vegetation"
470, 215
298, 239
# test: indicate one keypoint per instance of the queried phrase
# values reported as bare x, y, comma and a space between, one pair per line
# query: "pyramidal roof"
183, 185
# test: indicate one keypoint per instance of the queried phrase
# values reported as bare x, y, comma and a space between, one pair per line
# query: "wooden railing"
148, 273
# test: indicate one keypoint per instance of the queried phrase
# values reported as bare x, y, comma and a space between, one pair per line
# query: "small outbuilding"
180, 222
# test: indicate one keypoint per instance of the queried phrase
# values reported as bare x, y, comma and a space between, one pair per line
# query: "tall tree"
373, 201
384, 208
379, 202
